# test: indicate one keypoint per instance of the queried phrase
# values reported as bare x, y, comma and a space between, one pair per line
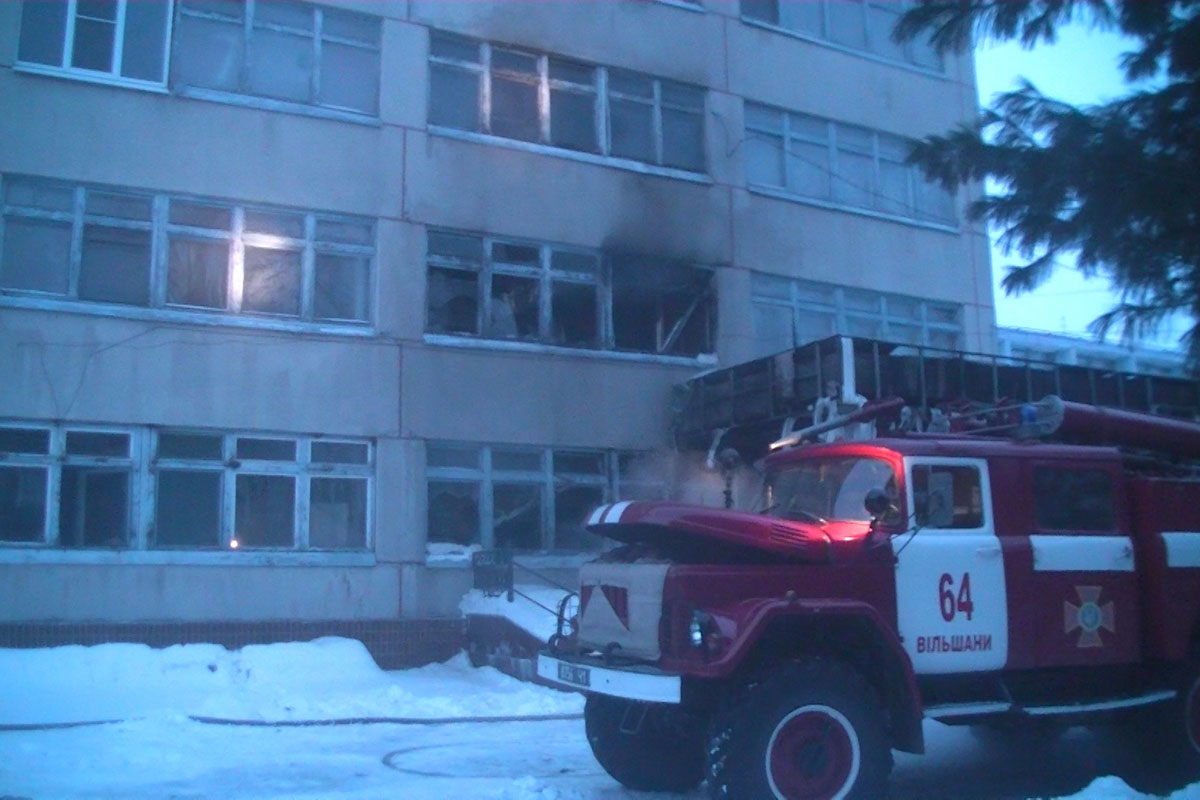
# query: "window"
863, 25
534, 97
282, 50
787, 313
843, 164
1070, 499
203, 490
528, 499
947, 496
503, 289
111, 246
110, 40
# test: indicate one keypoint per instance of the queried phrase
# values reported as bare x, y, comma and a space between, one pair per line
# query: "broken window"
661, 307
94, 490
475, 86
562, 296
100, 245
337, 514
528, 499
453, 514
23, 484
116, 40
453, 290
284, 50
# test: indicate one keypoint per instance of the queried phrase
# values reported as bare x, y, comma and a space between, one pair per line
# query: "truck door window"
1067, 499
947, 496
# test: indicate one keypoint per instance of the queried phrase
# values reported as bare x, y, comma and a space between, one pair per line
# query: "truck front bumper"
590, 674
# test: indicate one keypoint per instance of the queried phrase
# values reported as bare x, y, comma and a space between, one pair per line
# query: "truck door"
951, 601
1079, 587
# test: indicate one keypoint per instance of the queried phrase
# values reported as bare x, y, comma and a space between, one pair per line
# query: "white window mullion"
77, 209
69, 34
549, 531
247, 36
485, 88
303, 495
602, 122
159, 251
237, 261
58, 442
228, 494
543, 68
118, 51
143, 489
487, 536
314, 79
308, 269
546, 292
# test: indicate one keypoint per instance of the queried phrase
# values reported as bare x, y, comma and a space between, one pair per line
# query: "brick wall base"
394, 644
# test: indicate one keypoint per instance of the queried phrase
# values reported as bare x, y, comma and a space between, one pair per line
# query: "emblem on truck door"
1089, 617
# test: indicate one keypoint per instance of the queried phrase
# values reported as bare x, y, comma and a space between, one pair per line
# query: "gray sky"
1080, 67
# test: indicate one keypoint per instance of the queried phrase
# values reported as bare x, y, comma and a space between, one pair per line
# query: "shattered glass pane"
22, 504
337, 517
518, 515
453, 514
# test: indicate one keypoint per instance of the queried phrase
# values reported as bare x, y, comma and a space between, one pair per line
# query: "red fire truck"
1010, 581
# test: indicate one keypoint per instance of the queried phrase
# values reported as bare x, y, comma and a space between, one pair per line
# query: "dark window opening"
22, 504
93, 507
265, 511
188, 509
517, 519
453, 515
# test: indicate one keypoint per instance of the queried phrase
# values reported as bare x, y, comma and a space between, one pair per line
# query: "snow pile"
1113, 788
533, 789
527, 611
450, 553
325, 679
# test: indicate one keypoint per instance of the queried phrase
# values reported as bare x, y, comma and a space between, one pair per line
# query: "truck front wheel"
807, 731
646, 746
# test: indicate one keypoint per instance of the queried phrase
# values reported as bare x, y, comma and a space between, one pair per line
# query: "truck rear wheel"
808, 731
646, 746
1165, 739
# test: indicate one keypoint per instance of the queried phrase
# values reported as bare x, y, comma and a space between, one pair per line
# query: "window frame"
792, 188
144, 465
483, 69
871, 38
317, 34
801, 300
484, 476
113, 76
162, 229
548, 277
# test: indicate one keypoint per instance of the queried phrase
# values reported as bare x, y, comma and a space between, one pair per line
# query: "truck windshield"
823, 489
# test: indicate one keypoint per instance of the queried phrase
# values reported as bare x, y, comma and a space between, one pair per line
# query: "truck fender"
852, 632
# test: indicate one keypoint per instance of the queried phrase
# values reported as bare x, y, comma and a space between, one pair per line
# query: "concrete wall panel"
80, 593
517, 398
478, 186
76, 367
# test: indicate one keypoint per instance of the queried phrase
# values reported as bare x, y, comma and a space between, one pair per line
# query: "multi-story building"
296, 298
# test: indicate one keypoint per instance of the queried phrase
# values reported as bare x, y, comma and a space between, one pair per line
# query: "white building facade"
297, 298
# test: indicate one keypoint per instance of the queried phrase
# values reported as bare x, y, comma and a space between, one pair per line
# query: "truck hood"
673, 527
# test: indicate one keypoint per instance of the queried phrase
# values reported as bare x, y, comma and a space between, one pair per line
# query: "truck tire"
813, 730
1165, 739
647, 747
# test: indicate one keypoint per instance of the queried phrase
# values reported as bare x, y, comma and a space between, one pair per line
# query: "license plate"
577, 676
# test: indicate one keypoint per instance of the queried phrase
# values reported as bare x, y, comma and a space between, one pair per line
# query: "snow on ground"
156, 749
320, 680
